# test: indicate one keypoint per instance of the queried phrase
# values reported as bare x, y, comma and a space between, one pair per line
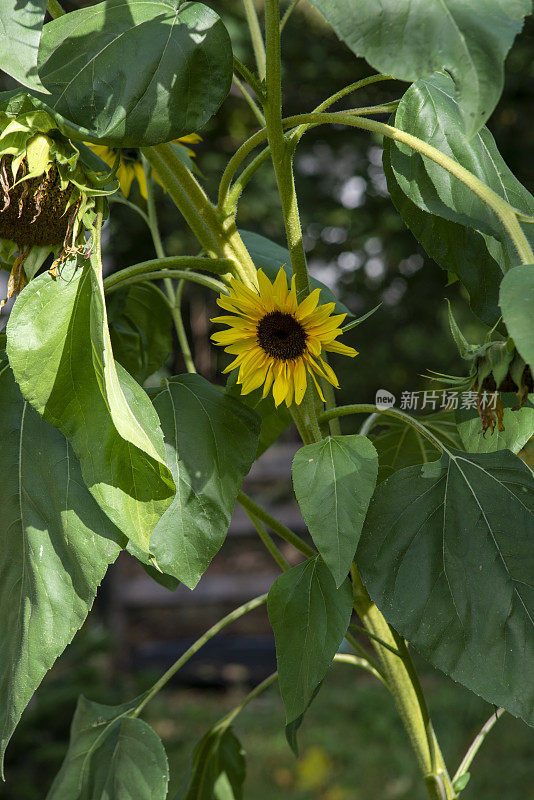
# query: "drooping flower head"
130, 167
278, 341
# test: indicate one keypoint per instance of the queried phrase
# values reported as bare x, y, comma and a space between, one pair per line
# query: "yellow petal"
299, 378
343, 349
319, 390
280, 385
280, 287
141, 178
308, 305
125, 177
330, 374
269, 377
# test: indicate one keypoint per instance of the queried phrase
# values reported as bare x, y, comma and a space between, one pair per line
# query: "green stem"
195, 647
218, 236
261, 687
268, 542
477, 742
248, 76
287, 14
55, 9
175, 263
250, 101
363, 663
256, 36
180, 328
281, 530
405, 687
161, 274
281, 154
367, 408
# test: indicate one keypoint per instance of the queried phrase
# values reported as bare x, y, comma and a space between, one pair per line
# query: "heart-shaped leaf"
136, 74
20, 33
517, 304
447, 554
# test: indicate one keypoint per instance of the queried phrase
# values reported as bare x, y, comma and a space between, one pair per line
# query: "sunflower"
277, 341
130, 168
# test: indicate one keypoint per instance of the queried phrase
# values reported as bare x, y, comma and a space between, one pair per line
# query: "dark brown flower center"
33, 212
281, 336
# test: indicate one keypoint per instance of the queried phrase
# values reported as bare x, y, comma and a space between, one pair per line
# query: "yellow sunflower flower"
130, 168
278, 341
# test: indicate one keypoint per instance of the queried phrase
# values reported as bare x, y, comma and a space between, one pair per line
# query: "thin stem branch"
476, 743
368, 408
195, 647
363, 663
289, 10
277, 527
161, 274
180, 328
261, 687
250, 101
256, 36
248, 76
268, 542
171, 263
55, 9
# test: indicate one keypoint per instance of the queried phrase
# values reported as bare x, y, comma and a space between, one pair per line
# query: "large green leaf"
270, 256
517, 304
518, 427
309, 617
111, 756
137, 73
410, 39
58, 347
20, 34
55, 546
210, 442
455, 248
274, 420
429, 111
140, 328
334, 481
218, 767
400, 445
447, 553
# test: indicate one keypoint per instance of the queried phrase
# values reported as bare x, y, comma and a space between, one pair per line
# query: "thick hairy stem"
217, 235
404, 685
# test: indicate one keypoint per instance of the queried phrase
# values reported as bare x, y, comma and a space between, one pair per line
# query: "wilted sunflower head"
278, 341
130, 167
47, 190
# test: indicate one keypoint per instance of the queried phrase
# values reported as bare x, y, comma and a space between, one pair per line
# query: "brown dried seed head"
33, 212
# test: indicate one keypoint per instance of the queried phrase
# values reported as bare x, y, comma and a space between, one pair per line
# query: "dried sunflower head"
48, 189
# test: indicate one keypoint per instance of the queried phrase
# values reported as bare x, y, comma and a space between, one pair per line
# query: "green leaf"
429, 111
274, 421
55, 546
140, 329
517, 304
410, 39
518, 427
210, 442
111, 755
134, 73
20, 34
218, 767
270, 256
455, 248
334, 481
401, 445
309, 617
447, 554
59, 349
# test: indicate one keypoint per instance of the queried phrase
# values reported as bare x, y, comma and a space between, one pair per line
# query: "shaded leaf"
309, 617
447, 553
59, 349
334, 481
455, 248
410, 39
429, 111
134, 73
55, 547
218, 767
401, 445
210, 442
111, 755
517, 304
140, 329
20, 34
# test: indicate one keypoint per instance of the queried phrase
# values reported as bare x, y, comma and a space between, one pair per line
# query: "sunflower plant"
431, 550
